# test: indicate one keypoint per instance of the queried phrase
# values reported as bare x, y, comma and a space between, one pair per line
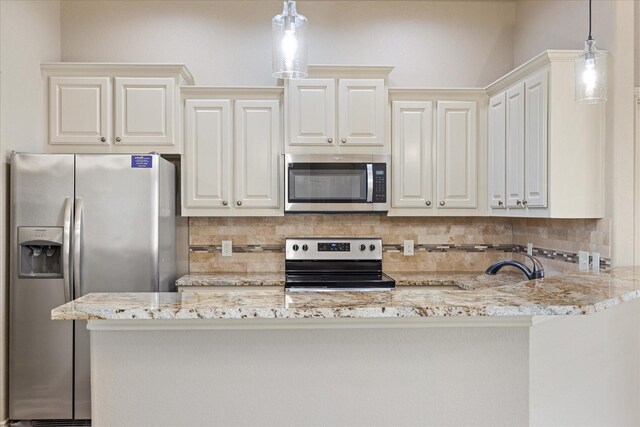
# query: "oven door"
325, 183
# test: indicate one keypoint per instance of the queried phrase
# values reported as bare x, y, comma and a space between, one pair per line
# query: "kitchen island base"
472, 371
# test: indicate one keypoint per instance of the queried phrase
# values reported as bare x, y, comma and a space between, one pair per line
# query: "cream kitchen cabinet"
119, 108
233, 152
437, 152
340, 109
545, 150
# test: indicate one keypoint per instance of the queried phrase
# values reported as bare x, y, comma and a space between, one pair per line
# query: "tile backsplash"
441, 244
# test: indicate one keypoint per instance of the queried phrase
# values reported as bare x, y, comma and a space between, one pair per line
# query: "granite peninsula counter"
485, 350
417, 295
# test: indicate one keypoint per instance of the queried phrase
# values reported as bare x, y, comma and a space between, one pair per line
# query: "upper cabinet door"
515, 146
361, 107
257, 151
536, 140
79, 110
312, 112
497, 151
207, 158
457, 154
144, 111
412, 154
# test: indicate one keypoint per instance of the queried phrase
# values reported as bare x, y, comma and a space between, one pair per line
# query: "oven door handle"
369, 182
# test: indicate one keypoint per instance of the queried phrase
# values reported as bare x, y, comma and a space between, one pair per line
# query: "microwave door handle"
369, 183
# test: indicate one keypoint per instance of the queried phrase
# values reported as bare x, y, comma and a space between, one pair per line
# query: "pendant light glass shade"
591, 72
289, 33
591, 75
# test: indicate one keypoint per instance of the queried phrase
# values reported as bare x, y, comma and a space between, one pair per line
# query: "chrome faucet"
536, 273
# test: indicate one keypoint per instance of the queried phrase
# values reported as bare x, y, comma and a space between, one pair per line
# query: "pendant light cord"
590, 38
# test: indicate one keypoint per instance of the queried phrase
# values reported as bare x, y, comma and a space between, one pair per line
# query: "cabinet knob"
330, 140
524, 202
500, 203
118, 139
518, 202
103, 139
442, 203
344, 140
225, 203
428, 203
239, 203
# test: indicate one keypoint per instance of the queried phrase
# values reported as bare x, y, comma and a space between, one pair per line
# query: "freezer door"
116, 229
40, 349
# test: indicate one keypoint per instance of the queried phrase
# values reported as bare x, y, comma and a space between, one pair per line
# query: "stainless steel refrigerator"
80, 223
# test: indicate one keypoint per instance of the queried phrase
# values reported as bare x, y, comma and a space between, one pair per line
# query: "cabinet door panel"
257, 143
312, 111
536, 140
515, 145
412, 157
79, 110
361, 104
144, 111
207, 155
497, 151
456, 154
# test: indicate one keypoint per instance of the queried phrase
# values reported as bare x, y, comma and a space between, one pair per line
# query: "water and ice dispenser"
40, 250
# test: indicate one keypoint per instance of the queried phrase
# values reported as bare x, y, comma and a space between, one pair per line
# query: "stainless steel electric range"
335, 264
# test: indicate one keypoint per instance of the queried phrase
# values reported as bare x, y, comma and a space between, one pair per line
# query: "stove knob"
363, 247
305, 247
296, 247
372, 247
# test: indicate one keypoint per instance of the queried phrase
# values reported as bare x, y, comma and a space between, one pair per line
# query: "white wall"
563, 24
431, 43
30, 34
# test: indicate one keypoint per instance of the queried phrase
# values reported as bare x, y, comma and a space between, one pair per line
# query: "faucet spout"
536, 273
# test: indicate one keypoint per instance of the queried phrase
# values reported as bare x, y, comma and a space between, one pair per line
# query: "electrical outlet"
529, 248
227, 248
583, 260
595, 261
408, 247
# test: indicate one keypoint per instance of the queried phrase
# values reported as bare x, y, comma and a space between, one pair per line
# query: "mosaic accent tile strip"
568, 257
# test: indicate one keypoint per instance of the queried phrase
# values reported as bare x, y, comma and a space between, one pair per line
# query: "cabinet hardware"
330, 140
524, 202
103, 139
239, 203
225, 203
442, 203
118, 139
518, 202
344, 140
428, 203
500, 203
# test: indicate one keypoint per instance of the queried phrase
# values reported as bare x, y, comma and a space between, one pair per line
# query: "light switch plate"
583, 261
408, 247
227, 248
595, 261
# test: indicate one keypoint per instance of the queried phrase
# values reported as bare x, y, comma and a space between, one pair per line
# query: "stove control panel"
338, 248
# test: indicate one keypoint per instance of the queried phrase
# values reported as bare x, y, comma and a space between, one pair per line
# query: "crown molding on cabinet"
117, 69
537, 62
351, 71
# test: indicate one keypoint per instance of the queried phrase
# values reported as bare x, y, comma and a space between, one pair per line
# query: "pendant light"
289, 33
591, 72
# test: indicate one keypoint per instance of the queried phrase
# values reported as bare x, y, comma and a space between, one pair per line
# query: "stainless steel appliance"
79, 224
336, 183
328, 264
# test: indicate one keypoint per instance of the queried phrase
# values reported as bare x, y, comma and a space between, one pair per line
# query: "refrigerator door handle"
77, 233
66, 249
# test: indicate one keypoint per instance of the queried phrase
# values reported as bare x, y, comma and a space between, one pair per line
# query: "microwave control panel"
379, 183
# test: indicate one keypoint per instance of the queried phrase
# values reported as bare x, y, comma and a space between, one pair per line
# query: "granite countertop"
463, 280
476, 295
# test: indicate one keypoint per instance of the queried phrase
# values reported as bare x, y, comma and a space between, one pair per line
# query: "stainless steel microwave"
337, 183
